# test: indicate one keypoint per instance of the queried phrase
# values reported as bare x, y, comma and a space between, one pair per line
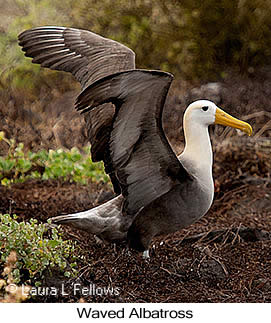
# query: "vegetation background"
191, 38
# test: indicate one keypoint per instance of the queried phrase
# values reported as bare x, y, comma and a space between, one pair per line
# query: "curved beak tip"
248, 130
226, 119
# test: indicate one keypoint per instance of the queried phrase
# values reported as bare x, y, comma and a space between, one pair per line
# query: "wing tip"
24, 35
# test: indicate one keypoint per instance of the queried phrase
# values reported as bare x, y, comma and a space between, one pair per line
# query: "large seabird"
158, 192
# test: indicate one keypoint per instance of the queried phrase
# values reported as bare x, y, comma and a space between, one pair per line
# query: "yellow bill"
225, 119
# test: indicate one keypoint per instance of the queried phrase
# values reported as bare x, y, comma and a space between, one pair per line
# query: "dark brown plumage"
143, 162
89, 57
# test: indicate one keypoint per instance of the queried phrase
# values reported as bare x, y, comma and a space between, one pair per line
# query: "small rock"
212, 270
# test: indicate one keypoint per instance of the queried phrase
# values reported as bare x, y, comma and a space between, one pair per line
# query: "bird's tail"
88, 220
105, 221
70, 219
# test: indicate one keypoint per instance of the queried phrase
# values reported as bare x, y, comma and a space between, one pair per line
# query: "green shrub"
70, 165
36, 252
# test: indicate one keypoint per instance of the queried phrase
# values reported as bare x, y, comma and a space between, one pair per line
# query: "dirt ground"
224, 257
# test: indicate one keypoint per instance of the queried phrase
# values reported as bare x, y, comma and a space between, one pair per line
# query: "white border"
203, 312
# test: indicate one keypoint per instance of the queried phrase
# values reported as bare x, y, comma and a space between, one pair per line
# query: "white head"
197, 155
201, 112
204, 113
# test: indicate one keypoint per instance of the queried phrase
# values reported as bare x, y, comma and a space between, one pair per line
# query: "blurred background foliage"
193, 39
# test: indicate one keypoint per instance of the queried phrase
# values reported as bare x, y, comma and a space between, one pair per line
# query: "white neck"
197, 156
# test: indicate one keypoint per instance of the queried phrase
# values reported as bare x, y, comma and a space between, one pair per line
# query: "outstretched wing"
85, 54
140, 154
89, 57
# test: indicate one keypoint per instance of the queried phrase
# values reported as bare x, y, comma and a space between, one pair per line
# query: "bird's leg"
146, 255
98, 240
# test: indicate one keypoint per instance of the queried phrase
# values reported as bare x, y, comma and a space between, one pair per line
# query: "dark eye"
205, 108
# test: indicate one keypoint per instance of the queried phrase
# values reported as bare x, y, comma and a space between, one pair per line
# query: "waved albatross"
158, 192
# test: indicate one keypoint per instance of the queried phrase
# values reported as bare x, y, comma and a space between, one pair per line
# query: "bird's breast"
188, 202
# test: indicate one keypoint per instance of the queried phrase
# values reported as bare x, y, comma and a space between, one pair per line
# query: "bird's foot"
146, 255
98, 240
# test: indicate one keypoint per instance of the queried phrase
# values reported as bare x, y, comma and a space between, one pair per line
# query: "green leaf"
24, 165
53, 243
5, 182
6, 165
67, 274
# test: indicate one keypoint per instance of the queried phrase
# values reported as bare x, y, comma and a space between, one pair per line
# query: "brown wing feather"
88, 57
85, 54
141, 156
